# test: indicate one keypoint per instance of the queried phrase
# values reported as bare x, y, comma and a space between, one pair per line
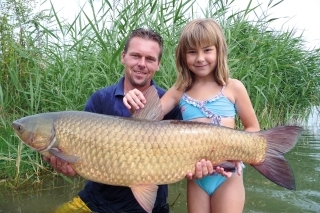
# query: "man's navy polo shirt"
106, 198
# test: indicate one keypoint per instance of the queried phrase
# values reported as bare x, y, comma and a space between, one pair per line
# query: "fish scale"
160, 152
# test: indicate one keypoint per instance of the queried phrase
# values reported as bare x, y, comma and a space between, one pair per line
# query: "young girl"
205, 93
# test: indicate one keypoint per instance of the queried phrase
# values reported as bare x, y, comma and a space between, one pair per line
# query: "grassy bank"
48, 64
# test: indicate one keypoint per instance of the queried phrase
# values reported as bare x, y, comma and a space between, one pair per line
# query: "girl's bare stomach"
227, 122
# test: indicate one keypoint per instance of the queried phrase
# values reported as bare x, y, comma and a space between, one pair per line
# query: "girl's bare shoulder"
174, 90
235, 84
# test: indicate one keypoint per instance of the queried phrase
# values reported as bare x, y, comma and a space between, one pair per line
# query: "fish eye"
19, 128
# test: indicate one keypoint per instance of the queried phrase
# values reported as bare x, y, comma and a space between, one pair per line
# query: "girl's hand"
238, 165
224, 171
134, 99
220, 170
202, 168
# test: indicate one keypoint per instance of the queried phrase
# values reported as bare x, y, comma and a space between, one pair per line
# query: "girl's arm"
245, 111
244, 107
170, 99
135, 99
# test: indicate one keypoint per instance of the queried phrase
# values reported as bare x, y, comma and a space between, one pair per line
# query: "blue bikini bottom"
210, 183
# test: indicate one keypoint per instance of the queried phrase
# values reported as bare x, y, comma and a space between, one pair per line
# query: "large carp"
143, 153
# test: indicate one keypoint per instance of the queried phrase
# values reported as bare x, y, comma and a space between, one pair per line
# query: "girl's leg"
198, 201
229, 197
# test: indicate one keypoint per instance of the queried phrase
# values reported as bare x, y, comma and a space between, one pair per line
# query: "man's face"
141, 61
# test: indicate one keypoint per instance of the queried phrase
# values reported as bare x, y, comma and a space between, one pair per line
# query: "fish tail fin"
275, 167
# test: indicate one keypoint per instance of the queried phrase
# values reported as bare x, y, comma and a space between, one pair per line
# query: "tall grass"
61, 63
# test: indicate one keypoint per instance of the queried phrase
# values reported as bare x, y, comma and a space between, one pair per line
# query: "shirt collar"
120, 89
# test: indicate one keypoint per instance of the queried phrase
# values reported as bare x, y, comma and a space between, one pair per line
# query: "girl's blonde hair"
201, 33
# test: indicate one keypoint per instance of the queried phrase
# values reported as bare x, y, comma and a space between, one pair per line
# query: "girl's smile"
202, 59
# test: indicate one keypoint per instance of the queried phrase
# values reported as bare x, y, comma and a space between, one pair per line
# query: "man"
141, 59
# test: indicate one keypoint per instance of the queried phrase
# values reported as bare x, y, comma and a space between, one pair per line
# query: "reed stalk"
55, 65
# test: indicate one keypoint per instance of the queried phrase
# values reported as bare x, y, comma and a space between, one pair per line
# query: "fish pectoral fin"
146, 195
69, 158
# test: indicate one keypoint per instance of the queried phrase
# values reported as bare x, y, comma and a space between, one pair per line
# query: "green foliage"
48, 64
281, 76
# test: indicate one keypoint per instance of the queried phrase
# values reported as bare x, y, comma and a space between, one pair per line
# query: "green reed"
56, 65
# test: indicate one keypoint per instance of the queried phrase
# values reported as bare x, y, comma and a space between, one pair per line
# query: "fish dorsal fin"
146, 195
69, 158
152, 109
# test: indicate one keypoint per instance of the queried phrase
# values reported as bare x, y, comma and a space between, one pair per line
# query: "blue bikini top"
215, 108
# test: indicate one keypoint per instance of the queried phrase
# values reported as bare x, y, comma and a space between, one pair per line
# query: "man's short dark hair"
148, 34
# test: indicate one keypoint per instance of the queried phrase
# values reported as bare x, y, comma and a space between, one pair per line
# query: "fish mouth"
29, 137
16, 126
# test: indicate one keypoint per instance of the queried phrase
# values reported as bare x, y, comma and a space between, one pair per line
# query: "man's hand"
61, 166
134, 99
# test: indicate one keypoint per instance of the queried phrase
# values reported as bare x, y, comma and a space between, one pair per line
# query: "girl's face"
202, 61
